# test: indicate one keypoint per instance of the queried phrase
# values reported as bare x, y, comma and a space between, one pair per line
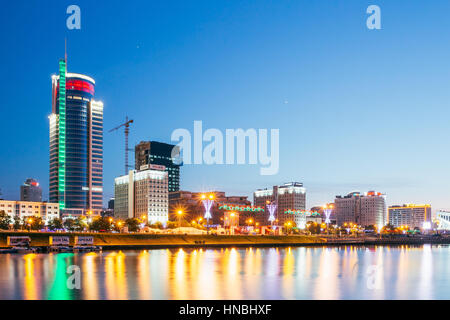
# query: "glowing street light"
180, 215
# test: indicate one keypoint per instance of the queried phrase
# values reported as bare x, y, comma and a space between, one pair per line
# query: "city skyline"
364, 143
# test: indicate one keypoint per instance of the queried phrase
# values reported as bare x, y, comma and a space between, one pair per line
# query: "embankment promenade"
114, 241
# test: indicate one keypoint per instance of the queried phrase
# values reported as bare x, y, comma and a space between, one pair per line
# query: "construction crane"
127, 131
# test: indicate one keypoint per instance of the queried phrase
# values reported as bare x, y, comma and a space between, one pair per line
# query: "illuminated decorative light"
229, 207
327, 212
62, 134
272, 208
427, 225
303, 212
80, 76
207, 204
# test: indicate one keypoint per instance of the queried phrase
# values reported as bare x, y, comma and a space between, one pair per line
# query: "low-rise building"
23, 209
191, 205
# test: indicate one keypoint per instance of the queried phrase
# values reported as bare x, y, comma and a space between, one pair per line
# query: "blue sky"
357, 109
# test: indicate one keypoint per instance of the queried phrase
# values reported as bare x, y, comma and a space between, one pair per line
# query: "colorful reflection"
350, 272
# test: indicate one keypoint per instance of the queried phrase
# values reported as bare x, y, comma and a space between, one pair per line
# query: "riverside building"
365, 210
411, 215
290, 196
143, 195
24, 209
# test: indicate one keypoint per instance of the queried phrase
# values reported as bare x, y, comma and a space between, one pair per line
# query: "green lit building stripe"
62, 134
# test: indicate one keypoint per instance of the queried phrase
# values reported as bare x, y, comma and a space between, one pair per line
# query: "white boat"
60, 249
24, 250
87, 249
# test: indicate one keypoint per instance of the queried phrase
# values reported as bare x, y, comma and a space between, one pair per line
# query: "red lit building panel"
79, 85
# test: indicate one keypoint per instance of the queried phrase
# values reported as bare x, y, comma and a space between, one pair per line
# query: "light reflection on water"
274, 273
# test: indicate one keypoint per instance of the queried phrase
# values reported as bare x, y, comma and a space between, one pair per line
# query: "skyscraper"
31, 191
76, 144
163, 154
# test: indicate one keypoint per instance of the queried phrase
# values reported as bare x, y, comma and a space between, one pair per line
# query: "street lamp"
180, 215
288, 225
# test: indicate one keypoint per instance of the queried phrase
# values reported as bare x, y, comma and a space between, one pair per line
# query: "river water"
350, 272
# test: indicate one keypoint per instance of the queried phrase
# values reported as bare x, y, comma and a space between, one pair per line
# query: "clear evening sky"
357, 109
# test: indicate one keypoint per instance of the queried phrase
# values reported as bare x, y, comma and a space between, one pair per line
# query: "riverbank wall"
139, 240
114, 241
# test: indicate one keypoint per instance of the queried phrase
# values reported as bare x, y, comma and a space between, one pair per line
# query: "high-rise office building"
76, 144
163, 154
31, 191
290, 196
143, 195
365, 210
411, 215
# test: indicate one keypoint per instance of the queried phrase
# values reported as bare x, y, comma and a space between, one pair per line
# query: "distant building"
164, 154
364, 210
23, 209
411, 215
107, 212
111, 203
143, 194
191, 204
443, 220
290, 196
31, 191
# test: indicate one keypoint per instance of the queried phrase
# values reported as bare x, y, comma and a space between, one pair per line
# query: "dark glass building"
31, 191
164, 154
76, 144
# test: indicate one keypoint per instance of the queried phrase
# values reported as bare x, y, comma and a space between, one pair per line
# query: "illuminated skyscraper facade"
76, 144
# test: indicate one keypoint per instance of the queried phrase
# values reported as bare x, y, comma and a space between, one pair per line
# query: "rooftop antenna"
65, 51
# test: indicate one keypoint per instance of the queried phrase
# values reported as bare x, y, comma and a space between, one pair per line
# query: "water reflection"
253, 273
